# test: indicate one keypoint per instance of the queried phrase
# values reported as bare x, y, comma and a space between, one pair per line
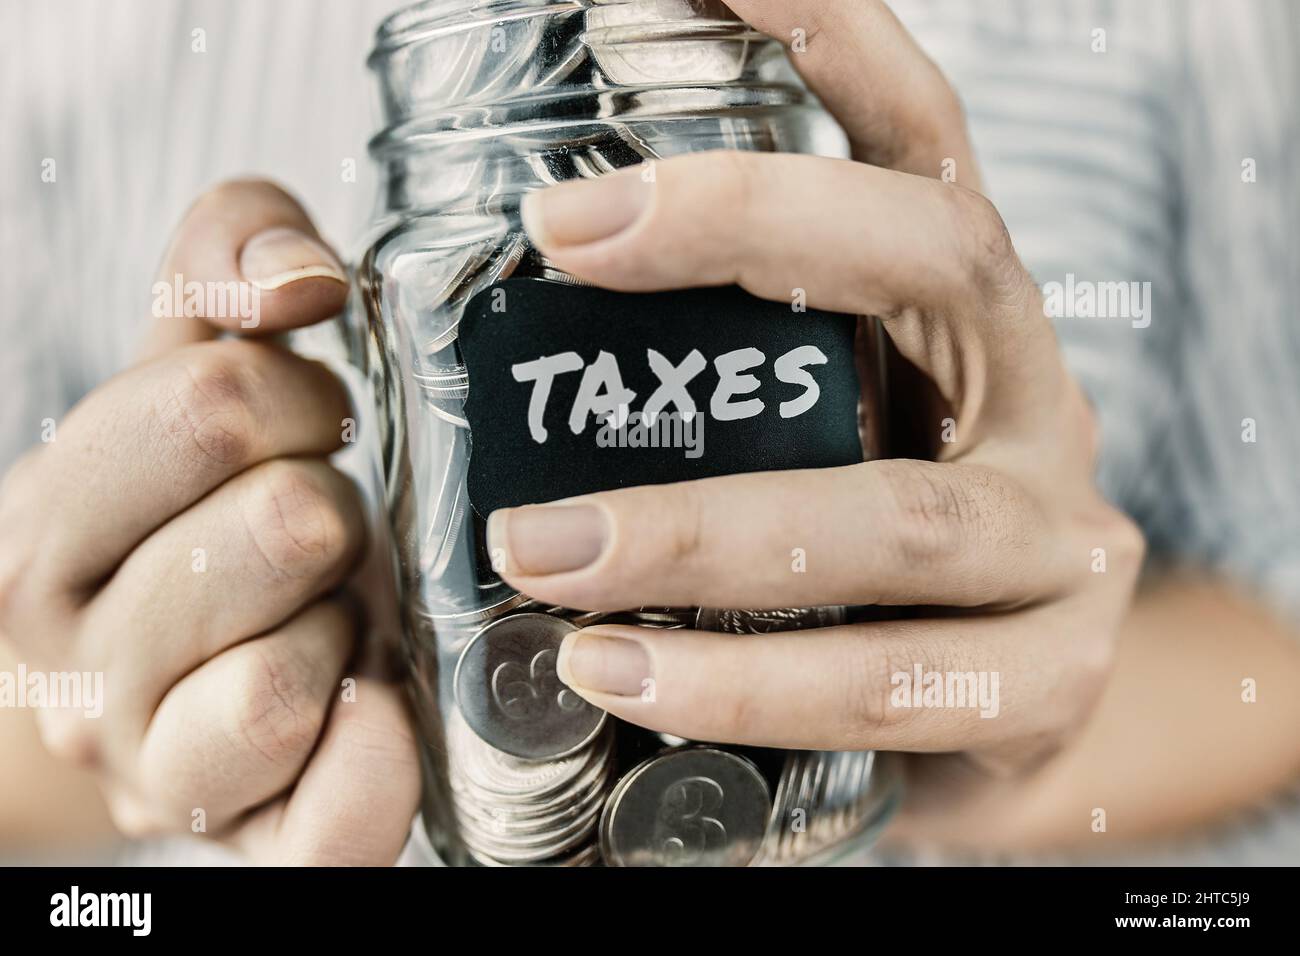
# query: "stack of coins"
519, 812
530, 761
535, 777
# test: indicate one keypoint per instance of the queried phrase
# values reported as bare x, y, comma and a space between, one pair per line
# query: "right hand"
222, 686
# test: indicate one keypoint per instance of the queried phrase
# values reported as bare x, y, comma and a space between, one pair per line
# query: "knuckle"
734, 186
295, 524
734, 175
133, 818
945, 105
984, 229
1103, 527
230, 192
684, 529
208, 409
276, 714
935, 514
722, 715
1081, 684
18, 550
367, 740
69, 736
866, 710
13, 565
1130, 545
721, 249
947, 515
986, 249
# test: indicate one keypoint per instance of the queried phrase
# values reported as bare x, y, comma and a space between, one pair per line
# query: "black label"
561, 378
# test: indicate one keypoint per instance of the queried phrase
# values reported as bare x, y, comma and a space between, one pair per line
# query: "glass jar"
482, 102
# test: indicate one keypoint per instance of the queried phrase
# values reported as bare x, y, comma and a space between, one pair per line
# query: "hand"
185, 536
1005, 531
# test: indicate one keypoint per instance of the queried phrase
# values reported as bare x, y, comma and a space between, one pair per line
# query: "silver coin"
587, 856
483, 266
443, 385
675, 55
663, 617
589, 618
517, 811
636, 619
506, 781
450, 417
510, 848
510, 695
447, 523
442, 322
739, 621
501, 601
698, 806
536, 817
642, 617
537, 837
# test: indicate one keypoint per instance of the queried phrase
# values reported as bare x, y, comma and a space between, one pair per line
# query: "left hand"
1006, 528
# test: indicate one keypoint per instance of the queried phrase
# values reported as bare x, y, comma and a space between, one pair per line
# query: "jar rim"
430, 19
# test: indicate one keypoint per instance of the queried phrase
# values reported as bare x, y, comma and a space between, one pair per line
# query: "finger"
892, 100
238, 730
19, 601
829, 689
887, 532
933, 261
154, 440
355, 801
245, 258
279, 535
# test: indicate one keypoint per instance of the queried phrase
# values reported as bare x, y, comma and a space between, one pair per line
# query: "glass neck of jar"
485, 101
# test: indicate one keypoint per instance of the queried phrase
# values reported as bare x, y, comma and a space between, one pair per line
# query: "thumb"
244, 259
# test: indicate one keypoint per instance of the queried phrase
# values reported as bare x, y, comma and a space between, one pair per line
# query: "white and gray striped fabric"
1127, 165
1115, 166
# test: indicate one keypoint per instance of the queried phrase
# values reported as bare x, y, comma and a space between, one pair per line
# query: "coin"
510, 695
502, 600
642, 617
737, 621
526, 812
505, 780
639, 44
696, 806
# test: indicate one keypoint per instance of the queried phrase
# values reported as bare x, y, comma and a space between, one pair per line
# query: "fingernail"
577, 213
545, 539
276, 257
603, 662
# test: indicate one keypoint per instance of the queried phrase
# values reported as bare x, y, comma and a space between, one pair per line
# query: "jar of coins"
483, 101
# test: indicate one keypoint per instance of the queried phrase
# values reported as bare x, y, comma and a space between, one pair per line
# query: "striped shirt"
1125, 141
